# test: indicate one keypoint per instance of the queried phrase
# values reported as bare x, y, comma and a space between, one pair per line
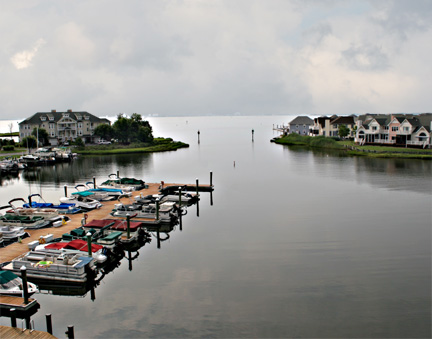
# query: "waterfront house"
63, 127
329, 126
300, 125
395, 129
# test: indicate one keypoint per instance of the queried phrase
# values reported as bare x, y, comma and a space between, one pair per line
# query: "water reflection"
392, 173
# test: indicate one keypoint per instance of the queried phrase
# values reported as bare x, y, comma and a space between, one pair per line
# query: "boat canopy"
76, 244
6, 276
118, 224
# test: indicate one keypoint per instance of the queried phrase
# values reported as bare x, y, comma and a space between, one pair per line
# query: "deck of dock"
16, 249
14, 332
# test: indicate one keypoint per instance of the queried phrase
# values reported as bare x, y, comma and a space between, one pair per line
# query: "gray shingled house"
301, 125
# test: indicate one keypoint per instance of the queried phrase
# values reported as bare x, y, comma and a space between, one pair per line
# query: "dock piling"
49, 323
180, 193
94, 182
211, 179
128, 225
12, 314
70, 332
89, 243
25, 286
65, 190
197, 187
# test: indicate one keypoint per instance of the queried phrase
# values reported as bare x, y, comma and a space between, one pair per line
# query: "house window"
395, 129
80, 125
406, 129
386, 128
80, 133
374, 128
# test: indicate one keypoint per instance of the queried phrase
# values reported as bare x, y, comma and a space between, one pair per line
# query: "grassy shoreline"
355, 150
165, 145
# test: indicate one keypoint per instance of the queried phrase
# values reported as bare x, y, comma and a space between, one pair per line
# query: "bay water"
292, 243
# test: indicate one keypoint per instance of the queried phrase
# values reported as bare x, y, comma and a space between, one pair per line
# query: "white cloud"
23, 59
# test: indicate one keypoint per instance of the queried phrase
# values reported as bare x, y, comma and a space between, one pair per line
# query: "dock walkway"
16, 249
14, 332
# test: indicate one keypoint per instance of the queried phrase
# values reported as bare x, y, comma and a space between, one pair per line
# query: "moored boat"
69, 267
11, 284
83, 201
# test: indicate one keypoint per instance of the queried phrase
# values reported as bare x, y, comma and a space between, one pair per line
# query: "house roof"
56, 116
301, 120
343, 120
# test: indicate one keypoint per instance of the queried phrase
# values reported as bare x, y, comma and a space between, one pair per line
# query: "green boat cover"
6, 276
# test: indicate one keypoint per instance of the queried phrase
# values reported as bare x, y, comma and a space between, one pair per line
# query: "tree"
79, 142
104, 131
29, 142
121, 129
343, 131
132, 129
41, 134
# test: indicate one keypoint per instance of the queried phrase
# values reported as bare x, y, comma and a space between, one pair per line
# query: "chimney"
53, 111
69, 111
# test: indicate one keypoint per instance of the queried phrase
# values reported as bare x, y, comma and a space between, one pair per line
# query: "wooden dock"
16, 249
14, 332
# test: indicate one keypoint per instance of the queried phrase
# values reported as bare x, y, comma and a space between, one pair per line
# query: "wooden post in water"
118, 174
49, 323
89, 243
94, 182
180, 194
12, 314
197, 187
253, 134
157, 208
70, 332
211, 179
23, 270
198, 136
65, 190
128, 225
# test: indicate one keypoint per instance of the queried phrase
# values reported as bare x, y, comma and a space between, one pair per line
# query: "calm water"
297, 243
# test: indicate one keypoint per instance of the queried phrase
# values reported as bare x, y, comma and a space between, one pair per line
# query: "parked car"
104, 142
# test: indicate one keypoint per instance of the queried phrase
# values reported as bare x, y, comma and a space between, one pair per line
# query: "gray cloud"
366, 58
203, 57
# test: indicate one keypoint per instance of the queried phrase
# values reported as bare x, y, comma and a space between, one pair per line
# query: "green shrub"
8, 148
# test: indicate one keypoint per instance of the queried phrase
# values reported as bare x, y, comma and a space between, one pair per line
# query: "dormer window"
86, 117
43, 118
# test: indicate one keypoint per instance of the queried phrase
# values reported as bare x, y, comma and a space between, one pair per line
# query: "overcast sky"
215, 57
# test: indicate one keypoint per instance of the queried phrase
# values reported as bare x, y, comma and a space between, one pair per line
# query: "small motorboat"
126, 184
49, 214
11, 234
11, 284
63, 208
24, 221
83, 201
94, 194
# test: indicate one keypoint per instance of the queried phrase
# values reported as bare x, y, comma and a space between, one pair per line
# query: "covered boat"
25, 221
78, 246
126, 184
11, 284
63, 208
